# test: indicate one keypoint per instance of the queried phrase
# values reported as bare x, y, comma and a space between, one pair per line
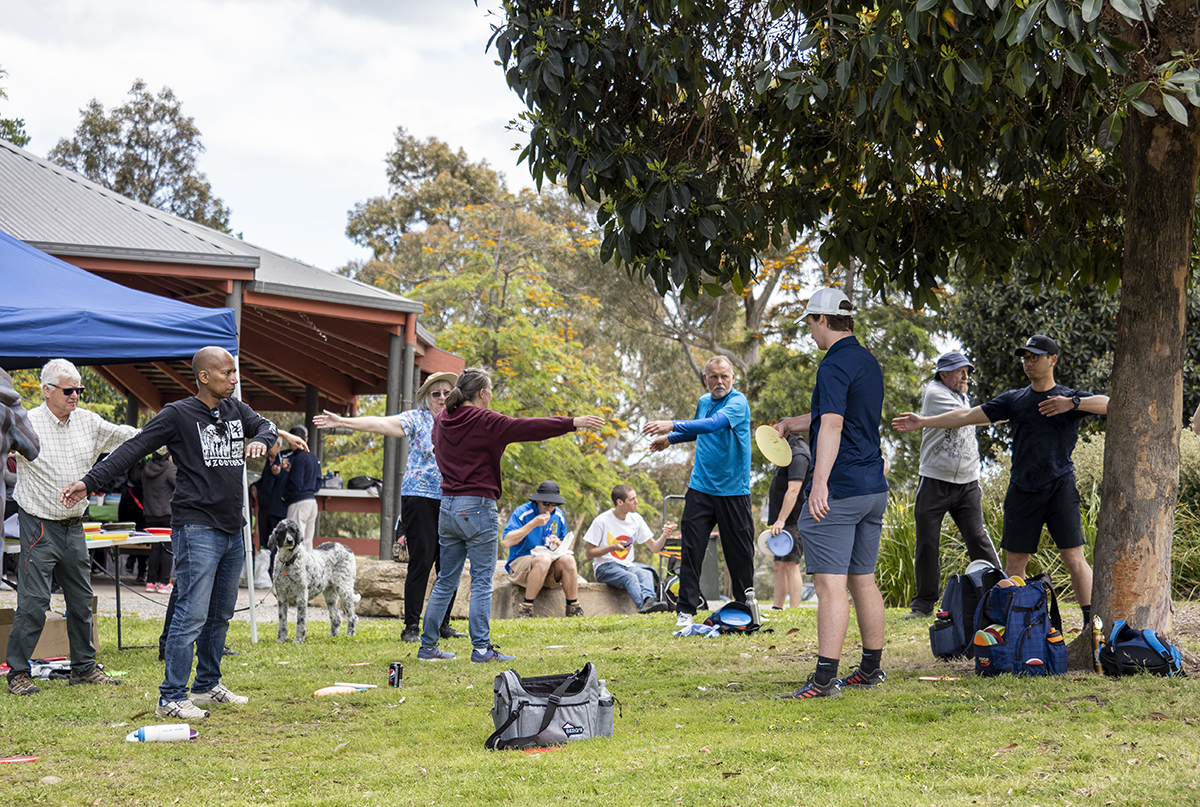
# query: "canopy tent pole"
234, 300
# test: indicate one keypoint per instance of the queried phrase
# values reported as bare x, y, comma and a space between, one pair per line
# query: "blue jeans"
208, 563
467, 528
637, 581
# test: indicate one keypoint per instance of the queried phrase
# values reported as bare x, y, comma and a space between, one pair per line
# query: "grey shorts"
846, 541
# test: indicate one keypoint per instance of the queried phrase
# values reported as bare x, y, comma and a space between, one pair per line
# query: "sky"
297, 101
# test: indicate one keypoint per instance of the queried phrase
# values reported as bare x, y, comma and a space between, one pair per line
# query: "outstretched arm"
387, 426
911, 421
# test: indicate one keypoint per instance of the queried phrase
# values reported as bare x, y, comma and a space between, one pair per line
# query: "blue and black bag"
1129, 651
1019, 631
951, 633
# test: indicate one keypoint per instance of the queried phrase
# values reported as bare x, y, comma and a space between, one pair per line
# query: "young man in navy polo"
843, 518
1045, 426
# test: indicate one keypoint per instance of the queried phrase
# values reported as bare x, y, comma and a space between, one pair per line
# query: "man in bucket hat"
949, 483
534, 534
1045, 426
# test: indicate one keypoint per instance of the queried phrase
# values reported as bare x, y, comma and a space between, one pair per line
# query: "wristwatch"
1075, 402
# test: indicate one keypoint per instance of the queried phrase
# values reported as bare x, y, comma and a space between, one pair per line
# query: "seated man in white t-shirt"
610, 542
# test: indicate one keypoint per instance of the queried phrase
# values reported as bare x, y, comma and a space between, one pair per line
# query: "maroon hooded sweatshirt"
469, 443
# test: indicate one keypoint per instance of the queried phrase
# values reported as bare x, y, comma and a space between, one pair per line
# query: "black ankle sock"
870, 660
529, 602
1087, 617
572, 602
826, 670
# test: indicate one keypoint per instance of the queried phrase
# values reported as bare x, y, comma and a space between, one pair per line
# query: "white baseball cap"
827, 301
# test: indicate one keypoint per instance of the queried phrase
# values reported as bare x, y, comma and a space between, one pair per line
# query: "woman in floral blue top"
420, 491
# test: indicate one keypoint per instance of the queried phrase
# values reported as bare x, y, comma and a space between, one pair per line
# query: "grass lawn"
700, 726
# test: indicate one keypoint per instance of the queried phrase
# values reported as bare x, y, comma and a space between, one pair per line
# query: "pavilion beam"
314, 348
128, 377
188, 384
268, 387
334, 385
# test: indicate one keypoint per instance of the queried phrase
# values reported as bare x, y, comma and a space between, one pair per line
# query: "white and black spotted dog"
301, 575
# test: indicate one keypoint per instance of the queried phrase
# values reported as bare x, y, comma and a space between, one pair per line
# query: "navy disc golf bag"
1129, 651
1019, 631
733, 617
951, 634
549, 709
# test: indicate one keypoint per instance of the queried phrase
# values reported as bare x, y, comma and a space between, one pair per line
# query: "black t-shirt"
797, 471
209, 452
1041, 446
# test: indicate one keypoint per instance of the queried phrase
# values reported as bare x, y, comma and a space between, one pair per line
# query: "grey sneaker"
434, 654
812, 689
218, 694
574, 609
491, 654
21, 684
862, 680
180, 710
93, 677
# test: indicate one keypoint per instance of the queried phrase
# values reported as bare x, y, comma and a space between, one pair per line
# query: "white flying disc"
772, 446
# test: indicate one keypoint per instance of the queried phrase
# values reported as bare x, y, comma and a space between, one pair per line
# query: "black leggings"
419, 525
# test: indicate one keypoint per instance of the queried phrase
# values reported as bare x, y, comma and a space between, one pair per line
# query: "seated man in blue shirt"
535, 532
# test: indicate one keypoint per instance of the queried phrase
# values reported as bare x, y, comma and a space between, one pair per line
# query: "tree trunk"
1141, 455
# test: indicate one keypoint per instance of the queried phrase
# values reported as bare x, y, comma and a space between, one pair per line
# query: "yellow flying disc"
335, 690
772, 446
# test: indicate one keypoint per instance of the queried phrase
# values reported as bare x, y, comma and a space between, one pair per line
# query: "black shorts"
1056, 507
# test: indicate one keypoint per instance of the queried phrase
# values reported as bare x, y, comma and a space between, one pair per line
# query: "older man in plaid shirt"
52, 543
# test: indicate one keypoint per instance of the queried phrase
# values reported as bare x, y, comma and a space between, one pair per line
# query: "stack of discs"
91, 530
992, 634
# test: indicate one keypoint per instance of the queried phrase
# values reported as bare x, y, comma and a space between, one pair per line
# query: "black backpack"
951, 635
1129, 651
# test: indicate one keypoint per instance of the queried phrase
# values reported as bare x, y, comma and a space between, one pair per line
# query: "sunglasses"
219, 426
68, 391
442, 394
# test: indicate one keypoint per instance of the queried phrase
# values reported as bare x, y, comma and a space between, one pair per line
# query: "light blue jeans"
639, 582
467, 528
208, 563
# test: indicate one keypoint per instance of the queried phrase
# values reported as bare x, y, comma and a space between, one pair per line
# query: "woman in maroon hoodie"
468, 441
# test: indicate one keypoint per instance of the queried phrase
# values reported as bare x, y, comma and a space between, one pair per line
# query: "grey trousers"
50, 550
935, 499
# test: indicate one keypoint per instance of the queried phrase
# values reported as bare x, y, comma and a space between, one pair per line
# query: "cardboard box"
53, 641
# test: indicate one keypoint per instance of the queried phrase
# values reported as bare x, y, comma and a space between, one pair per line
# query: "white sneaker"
218, 694
180, 710
683, 621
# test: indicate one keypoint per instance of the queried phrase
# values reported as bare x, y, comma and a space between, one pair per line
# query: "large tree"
916, 135
11, 129
146, 149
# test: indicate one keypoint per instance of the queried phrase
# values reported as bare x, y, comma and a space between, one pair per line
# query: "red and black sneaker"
812, 689
860, 679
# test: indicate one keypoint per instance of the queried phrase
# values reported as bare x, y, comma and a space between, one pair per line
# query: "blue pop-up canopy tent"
51, 309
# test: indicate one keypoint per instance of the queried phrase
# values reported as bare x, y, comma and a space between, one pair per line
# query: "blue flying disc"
780, 544
734, 618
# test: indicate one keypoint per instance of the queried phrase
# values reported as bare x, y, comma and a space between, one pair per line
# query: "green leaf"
1092, 9
964, 6
843, 73
971, 72
1110, 130
1175, 108
895, 72
948, 76
713, 290
1144, 108
1028, 20
707, 228
637, 217
1132, 9
1074, 62
1056, 10
925, 5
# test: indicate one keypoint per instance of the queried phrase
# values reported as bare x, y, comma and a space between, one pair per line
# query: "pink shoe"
164, 588
151, 588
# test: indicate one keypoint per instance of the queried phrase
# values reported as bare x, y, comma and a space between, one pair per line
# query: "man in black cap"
539, 550
949, 483
1045, 426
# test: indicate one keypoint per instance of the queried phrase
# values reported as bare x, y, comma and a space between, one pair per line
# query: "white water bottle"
167, 733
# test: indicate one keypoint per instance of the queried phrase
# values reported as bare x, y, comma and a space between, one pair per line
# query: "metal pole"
234, 300
389, 506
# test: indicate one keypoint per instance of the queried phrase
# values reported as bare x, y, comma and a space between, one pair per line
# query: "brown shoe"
21, 684
524, 611
93, 677
574, 610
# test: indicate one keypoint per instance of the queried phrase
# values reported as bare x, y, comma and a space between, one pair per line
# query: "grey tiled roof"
60, 212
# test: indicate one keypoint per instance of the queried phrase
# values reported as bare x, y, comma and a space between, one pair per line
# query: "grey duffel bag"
549, 709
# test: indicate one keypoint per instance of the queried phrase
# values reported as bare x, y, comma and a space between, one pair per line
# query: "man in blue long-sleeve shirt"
719, 490
300, 490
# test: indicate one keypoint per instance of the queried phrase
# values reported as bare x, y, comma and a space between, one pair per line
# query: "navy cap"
948, 362
1039, 344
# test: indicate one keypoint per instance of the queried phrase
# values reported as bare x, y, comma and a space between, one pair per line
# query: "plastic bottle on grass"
167, 733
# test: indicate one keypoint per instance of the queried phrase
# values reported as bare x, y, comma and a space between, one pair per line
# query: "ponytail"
470, 383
